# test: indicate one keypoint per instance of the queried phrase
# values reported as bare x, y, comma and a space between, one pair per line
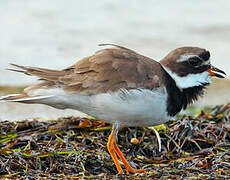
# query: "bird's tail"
24, 98
33, 94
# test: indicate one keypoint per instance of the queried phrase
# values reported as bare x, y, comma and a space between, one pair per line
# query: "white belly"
136, 107
131, 108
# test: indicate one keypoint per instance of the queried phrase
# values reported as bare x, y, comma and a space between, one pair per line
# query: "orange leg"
128, 167
111, 149
114, 149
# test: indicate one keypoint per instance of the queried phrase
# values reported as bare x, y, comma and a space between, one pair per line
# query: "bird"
117, 85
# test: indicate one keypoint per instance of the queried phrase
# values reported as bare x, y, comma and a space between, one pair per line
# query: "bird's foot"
132, 170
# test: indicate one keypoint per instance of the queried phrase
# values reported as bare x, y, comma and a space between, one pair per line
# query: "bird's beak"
213, 72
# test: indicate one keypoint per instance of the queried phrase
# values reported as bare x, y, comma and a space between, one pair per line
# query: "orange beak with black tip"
213, 71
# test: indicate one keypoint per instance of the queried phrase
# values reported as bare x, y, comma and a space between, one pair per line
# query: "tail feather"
13, 97
22, 98
43, 73
50, 100
41, 93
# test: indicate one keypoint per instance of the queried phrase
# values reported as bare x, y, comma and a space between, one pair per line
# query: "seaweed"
75, 148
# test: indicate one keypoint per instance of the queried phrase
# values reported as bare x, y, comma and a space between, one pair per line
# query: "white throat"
191, 80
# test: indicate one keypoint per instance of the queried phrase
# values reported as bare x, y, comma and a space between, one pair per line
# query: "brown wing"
107, 70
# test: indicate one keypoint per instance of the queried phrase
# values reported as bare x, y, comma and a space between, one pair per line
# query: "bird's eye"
194, 61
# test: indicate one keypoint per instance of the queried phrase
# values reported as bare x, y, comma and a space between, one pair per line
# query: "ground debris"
75, 148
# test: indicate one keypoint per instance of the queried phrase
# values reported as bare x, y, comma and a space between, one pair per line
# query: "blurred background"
57, 33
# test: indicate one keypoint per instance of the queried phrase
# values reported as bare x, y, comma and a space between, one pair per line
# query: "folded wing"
107, 70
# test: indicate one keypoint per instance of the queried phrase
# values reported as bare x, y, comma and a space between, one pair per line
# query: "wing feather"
107, 70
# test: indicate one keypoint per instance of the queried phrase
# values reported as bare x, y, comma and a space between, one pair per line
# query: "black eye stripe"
194, 61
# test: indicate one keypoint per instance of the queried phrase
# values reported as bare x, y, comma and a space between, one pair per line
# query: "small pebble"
134, 141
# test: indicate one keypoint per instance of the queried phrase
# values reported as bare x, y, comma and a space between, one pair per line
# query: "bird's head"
190, 67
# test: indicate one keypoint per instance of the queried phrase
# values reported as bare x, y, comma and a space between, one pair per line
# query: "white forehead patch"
208, 62
191, 80
185, 57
